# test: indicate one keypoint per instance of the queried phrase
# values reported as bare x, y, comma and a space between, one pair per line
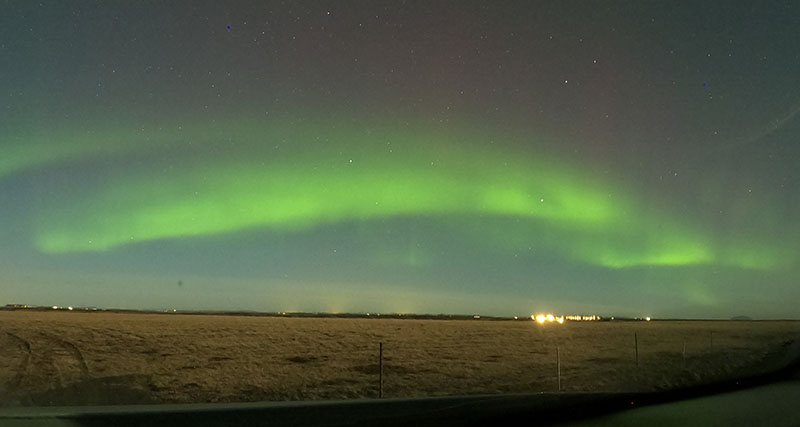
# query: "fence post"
684, 353
558, 366
380, 370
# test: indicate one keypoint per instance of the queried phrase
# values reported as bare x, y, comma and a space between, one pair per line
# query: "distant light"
55, 307
476, 317
647, 318
541, 318
560, 319
516, 318
69, 308
581, 317
550, 318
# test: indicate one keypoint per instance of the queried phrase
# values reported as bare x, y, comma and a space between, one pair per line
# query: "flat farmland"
78, 358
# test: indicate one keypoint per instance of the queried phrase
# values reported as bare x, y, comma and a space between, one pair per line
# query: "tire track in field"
73, 350
12, 384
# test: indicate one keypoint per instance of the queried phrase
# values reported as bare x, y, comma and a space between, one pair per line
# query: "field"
77, 358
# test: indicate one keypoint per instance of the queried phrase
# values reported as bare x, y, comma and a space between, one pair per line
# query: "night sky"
499, 158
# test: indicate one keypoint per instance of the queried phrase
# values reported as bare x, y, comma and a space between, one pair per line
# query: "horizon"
601, 317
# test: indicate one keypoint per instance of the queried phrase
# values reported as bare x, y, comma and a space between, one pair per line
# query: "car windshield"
206, 201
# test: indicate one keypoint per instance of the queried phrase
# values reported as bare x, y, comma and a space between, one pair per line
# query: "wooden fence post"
380, 370
684, 353
558, 366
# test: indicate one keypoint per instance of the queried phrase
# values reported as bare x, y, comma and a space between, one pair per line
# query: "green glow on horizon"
304, 176
629, 243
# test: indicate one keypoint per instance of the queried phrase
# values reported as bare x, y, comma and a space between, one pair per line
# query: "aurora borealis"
403, 157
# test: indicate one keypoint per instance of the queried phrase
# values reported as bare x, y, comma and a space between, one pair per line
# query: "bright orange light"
548, 318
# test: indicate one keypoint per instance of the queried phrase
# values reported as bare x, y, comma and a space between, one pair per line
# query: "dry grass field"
69, 358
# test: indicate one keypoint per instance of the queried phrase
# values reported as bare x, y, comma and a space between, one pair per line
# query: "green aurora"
295, 175
445, 157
